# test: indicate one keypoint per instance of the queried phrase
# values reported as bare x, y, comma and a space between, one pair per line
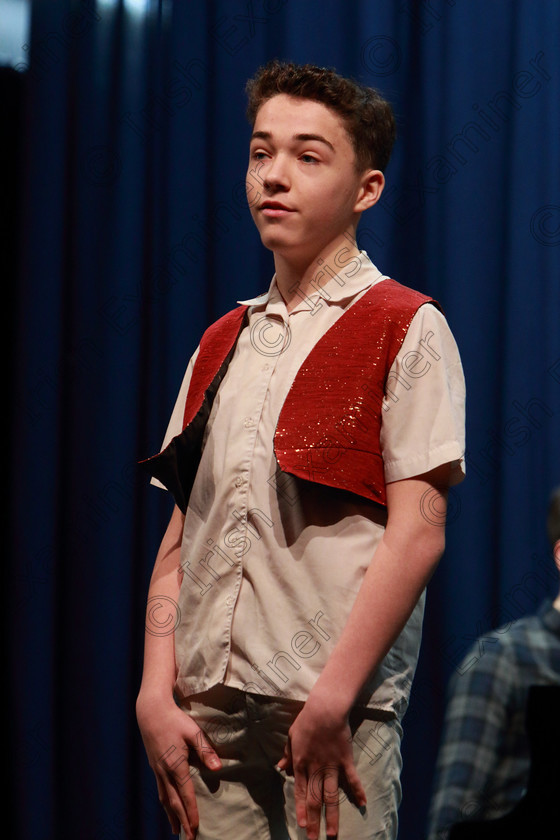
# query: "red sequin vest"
329, 426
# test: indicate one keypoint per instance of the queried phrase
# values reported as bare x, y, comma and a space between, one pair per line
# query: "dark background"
124, 147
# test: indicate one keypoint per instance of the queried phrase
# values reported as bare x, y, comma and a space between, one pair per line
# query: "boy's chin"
282, 245
278, 244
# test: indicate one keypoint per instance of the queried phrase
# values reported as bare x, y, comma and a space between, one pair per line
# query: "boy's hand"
168, 735
319, 755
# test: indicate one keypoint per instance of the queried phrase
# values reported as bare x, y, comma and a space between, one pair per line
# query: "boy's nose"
276, 175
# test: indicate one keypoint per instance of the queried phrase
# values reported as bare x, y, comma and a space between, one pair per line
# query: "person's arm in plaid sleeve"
475, 723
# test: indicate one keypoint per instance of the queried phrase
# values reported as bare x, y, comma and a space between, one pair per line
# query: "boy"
322, 424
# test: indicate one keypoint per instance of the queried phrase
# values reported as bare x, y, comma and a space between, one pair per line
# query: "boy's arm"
166, 730
401, 567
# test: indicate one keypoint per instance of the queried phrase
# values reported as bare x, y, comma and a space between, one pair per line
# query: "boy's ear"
372, 183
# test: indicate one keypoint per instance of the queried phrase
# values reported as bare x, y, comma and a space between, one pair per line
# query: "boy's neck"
296, 280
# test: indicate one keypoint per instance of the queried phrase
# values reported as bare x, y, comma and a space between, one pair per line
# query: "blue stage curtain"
134, 235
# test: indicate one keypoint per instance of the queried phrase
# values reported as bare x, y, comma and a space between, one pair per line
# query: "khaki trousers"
248, 799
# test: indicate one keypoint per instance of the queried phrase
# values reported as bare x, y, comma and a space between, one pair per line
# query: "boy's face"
302, 185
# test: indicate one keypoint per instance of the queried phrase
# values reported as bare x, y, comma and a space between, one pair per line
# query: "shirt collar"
334, 289
550, 617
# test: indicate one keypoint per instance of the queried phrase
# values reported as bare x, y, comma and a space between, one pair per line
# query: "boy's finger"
300, 796
164, 801
190, 824
285, 762
206, 752
314, 807
177, 810
331, 798
355, 787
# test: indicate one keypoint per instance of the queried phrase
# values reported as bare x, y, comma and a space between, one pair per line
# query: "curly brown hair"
368, 118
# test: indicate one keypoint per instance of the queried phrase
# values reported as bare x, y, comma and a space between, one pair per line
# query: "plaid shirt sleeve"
475, 725
484, 759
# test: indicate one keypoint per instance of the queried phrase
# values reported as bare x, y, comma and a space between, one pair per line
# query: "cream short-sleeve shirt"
272, 564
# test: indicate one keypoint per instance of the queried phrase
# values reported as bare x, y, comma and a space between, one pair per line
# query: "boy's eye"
309, 159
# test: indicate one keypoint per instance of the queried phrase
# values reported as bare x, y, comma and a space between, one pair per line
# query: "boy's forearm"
400, 569
159, 671
387, 597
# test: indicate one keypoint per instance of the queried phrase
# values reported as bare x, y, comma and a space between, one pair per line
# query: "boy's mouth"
274, 208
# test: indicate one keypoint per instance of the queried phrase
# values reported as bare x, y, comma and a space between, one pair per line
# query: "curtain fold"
134, 235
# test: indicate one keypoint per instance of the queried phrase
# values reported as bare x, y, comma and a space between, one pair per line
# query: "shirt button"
248, 422
266, 367
238, 481
229, 601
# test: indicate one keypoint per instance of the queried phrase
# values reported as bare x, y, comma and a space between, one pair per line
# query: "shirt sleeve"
175, 426
476, 722
423, 422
